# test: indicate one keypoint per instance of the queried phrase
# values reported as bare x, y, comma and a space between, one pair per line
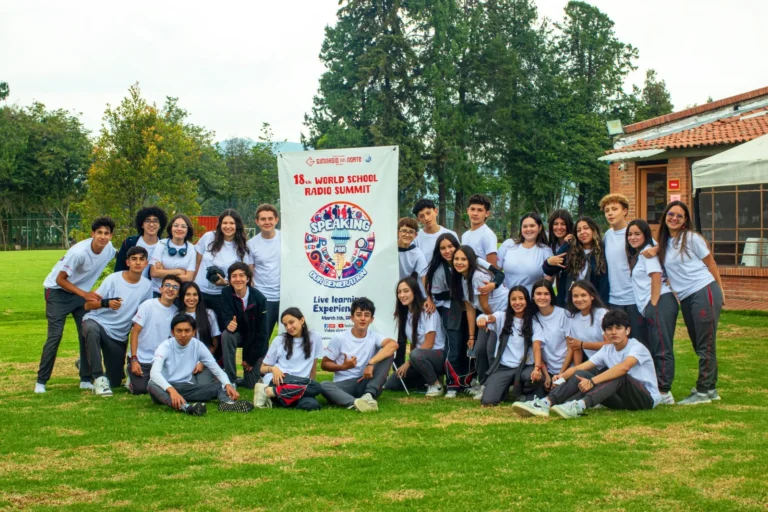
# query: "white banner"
338, 211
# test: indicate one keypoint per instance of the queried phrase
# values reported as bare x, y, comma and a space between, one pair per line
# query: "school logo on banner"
339, 244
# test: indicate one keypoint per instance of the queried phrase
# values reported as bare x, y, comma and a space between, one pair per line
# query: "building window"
734, 220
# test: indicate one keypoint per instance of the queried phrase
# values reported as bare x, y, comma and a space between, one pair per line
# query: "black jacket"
251, 323
566, 279
122, 254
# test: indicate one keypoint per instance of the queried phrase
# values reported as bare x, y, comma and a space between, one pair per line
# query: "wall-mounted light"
615, 127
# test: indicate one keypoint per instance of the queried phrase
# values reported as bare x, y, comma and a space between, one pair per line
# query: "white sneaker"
433, 391
260, 397
371, 401
712, 394
667, 398
451, 393
695, 399
366, 403
478, 393
39, 388
536, 407
86, 385
101, 387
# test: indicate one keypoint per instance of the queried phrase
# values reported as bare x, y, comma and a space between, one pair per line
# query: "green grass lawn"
71, 449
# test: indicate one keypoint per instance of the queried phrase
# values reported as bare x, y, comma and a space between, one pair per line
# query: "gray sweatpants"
99, 345
497, 384
426, 366
344, 392
623, 393
701, 312
661, 320
58, 305
637, 323
230, 341
191, 392
138, 385
484, 351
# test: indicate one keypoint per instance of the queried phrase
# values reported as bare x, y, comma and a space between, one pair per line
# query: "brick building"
651, 163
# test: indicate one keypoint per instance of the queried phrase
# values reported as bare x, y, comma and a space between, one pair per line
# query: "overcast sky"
235, 65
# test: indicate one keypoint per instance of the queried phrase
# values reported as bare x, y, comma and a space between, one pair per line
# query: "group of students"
481, 320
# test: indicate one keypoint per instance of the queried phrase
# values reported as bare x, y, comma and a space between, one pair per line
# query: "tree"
655, 100
4, 90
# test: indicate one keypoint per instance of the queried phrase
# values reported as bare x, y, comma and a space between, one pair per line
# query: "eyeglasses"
673, 215
151, 221
407, 232
179, 226
171, 286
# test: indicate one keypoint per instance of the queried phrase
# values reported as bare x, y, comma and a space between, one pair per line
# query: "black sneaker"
239, 406
196, 409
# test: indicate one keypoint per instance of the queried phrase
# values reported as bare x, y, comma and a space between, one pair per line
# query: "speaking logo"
339, 244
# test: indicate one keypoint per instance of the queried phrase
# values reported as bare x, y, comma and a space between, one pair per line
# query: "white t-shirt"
644, 371
117, 324
641, 279
155, 321
426, 242
223, 259
214, 325
687, 273
522, 266
82, 265
428, 322
584, 329
513, 354
297, 365
150, 252
411, 261
265, 253
618, 268
169, 262
497, 299
555, 328
482, 240
173, 363
362, 348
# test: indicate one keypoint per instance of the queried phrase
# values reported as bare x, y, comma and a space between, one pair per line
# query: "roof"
736, 129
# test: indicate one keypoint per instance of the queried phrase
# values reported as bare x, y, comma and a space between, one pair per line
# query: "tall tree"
655, 100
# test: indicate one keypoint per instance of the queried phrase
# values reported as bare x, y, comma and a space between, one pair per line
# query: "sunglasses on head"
173, 251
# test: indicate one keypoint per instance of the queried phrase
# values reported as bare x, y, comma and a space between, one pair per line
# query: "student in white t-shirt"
693, 275
290, 366
174, 254
216, 252
67, 288
519, 362
656, 302
585, 332
191, 302
521, 259
265, 254
360, 359
426, 213
480, 237
411, 259
151, 326
149, 221
555, 324
425, 332
628, 379
108, 322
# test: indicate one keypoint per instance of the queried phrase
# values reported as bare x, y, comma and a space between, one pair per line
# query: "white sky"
234, 65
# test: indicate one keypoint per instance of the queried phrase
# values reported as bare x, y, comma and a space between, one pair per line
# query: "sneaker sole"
698, 402
239, 406
363, 406
527, 413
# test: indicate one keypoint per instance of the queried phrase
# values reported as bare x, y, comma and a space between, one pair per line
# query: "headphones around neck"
172, 250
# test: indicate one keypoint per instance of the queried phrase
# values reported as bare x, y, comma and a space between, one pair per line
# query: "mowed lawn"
70, 449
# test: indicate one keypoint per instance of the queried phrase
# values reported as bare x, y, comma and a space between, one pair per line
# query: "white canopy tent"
746, 164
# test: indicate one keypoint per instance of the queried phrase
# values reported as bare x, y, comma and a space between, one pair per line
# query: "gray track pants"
230, 341
138, 385
190, 392
345, 392
497, 384
623, 393
426, 366
661, 320
99, 345
701, 312
58, 305
484, 350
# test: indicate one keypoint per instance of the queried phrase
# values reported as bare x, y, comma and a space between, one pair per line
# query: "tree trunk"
582, 198
458, 205
441, 191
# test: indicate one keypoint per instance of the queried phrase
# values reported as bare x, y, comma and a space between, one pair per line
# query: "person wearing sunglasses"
174, 256
151, 326
149, 221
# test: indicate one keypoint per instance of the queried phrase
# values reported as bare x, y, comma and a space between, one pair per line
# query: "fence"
35, 232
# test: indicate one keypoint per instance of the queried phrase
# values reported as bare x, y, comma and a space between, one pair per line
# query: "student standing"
151, 326
480, 237
172, 377
108, 322
149, 221
174, 255
245, 308
216, 252
425, 332
67, 288
290, 366
561, 232
656, 302
521, 259
426, 213
555, 324
411, 259
518, 363
360, 359
585, 332
192, 303
265, 254
693, 275
628, 379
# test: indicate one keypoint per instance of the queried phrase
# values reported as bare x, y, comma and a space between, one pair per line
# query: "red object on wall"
673, 184
204, 223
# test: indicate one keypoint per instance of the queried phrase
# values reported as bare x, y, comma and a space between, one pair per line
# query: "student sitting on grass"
555, 322
360, 359
628, 379
107, 324
585, 331
290, 366
518, 362
151, 325
172, 379
425, 365
67, 288
191, 303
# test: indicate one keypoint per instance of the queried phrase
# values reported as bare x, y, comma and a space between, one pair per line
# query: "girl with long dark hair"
520, 336
521, 259
425, 332
290, 366
174, 255
560, 232
585, 332
554, 322
192, 303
